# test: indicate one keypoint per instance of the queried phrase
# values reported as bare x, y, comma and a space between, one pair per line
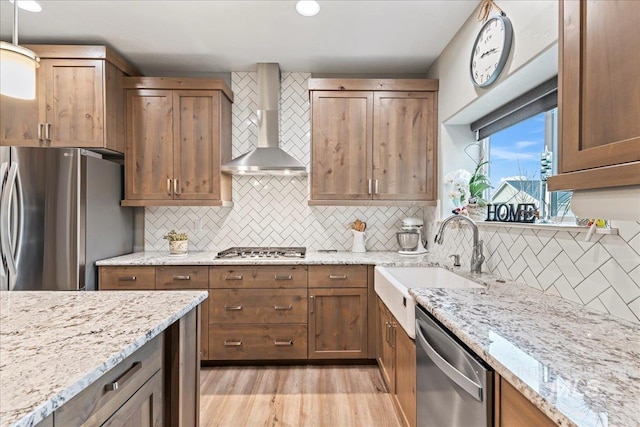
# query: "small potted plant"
178, 242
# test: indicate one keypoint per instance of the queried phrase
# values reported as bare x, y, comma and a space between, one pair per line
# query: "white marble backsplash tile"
273, 211
603, 274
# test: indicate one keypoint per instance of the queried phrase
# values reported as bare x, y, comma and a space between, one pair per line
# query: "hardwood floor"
318, 396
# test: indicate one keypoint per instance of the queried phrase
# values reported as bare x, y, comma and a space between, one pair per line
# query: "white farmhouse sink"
392, 286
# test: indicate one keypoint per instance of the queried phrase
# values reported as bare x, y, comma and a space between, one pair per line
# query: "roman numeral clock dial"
491, 50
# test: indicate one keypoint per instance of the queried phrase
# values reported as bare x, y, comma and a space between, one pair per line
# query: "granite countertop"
579, 366
55, 344
312, 258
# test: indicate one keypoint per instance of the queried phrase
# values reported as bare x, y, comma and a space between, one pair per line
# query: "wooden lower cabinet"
396, 355
338, 323
385, 352
258, 342
405, 390
514, 410
143, 409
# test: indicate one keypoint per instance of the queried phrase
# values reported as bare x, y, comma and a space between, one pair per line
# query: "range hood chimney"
268, 158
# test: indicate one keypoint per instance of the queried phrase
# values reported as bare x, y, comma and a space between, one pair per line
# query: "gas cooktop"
262, 252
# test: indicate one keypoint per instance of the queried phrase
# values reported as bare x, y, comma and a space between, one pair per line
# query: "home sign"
503, 212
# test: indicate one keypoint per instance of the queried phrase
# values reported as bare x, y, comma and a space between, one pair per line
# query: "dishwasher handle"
466, 383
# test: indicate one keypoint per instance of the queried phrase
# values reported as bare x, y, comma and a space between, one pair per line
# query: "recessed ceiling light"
307, 7
30, 5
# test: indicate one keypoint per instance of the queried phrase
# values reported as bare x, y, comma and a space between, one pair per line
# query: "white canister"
359, 240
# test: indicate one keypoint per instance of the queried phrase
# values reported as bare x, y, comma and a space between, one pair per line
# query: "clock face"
490, 51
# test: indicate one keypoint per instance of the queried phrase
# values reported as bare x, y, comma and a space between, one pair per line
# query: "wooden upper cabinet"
196, 154
404, 152
373, 141
149, 145
79, 101
341, 149
178, 133
74, 102
599, 93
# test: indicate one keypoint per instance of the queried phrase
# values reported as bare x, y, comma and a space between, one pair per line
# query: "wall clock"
491, 50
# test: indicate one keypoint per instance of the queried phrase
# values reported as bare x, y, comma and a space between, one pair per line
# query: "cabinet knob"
228, 343
283, 342
278, 277
169, 186
127, 279
181, 277
233, 307
283, 307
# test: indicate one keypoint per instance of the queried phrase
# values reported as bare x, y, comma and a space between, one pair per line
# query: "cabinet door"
385, 351
149, 145
21, 120
196, 146
599, 90
515, 410
341, 145
143, 409
405, 371
338, 323
404, 146
74, 102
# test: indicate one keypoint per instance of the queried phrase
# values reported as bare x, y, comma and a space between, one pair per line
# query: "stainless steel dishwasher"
454, 387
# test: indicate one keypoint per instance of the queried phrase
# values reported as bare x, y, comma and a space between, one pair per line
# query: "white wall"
603, 274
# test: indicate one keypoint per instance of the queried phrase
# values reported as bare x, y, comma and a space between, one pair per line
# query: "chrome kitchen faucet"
477, 257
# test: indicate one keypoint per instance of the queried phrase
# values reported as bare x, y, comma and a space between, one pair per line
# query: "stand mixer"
410, 238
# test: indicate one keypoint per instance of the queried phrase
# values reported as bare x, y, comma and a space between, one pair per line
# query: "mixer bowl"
408, 240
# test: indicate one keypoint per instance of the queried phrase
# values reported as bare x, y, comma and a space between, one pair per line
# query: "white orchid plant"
466, 187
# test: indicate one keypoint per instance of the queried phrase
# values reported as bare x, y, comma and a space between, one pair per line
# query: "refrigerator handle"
3, 172
5, 241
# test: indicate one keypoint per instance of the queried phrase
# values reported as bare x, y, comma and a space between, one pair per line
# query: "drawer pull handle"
233, 278
283, 307
127, 279
232, 343
120, 381
343, 277
181, 277
233, 307
283, 343
283, 277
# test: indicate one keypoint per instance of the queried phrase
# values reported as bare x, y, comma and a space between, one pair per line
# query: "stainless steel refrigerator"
59, 213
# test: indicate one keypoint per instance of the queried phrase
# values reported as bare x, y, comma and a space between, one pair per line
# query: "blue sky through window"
515, 151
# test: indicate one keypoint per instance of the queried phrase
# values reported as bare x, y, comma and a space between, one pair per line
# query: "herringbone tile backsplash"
273, 211
603, 274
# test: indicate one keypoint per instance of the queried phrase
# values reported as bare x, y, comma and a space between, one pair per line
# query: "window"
516, 138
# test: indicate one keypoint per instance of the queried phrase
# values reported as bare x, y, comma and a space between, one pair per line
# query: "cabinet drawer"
182, 277
253, 342
276, 276
338, 276
127, 278
258, 306
97, 403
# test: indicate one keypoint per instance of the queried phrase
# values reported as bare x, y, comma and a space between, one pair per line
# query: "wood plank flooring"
314, 396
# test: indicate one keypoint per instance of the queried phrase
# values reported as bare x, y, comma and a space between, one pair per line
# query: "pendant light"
17, 66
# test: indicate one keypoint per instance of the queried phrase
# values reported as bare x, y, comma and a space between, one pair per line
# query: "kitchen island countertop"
53, 345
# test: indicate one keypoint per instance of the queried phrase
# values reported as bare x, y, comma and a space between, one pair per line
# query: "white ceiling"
200, 37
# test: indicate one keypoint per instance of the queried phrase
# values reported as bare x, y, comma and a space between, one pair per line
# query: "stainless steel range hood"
268, 158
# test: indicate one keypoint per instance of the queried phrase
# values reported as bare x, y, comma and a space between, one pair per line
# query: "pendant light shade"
17, 66
17, 71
